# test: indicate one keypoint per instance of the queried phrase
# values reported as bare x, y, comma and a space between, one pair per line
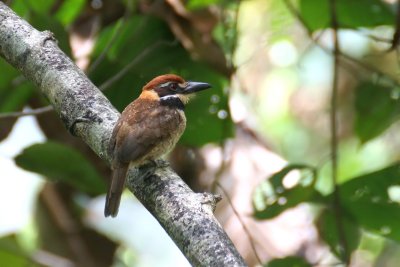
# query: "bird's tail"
115, 191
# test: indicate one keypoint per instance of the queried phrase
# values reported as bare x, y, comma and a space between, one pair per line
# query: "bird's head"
171, 86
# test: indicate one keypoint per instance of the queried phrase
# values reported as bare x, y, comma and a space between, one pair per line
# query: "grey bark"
187, 217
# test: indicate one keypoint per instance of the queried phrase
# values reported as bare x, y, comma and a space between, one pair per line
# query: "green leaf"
376, 110
290, 261
61, 163
379, 218
15, 98
350, 13
367, 200
328, 230
277, 178
271, 198
20, 7
14, 89
206, 121
372, 186
69, 10
11, 254
42, 7
195, 4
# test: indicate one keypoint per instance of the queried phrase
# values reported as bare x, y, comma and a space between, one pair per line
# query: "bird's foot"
148, 169
48, 36
209, 199
162, 163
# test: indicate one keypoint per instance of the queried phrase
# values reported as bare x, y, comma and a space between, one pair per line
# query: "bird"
147, 129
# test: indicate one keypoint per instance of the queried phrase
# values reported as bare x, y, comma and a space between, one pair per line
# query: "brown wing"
118, 176
142, 134
136, 142
113, 139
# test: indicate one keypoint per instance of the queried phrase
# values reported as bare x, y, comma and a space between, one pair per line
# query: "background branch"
86, 112
334, 136
36, 111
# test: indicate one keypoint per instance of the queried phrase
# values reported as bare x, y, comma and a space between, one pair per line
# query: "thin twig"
396, 34
104, 86
333, 113
334, 137
37, 111
253, 247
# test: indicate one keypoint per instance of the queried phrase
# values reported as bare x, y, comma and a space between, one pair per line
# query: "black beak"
193, 87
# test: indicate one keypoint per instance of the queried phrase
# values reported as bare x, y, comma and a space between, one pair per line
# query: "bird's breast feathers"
149, 132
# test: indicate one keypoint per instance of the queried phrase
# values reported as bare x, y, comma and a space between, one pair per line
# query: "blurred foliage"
272, 198
12, 254
291, 261
377, 108
351, 13
194, 4
330, 233
366, 205
143, 34
61, 163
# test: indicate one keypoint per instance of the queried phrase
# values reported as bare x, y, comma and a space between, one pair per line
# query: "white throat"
166, 97
183, 98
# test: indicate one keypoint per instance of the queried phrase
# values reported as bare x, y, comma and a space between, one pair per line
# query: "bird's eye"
173, 86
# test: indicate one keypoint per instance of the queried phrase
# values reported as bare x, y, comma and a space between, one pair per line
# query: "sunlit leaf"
291, 261
271, 198
58, 162
11, 254
277, 178
376, 110
194, 4
69, 10
367, 200
350, 13
41, 7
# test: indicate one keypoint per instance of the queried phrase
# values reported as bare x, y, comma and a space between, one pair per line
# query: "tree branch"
187, 217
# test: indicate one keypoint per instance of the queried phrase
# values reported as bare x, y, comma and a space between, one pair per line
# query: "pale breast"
171, 125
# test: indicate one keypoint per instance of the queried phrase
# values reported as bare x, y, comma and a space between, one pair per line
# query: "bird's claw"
162, 163
148, 169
